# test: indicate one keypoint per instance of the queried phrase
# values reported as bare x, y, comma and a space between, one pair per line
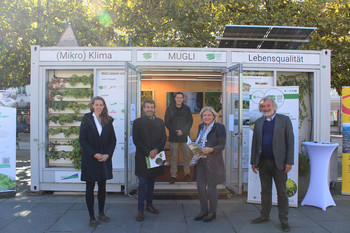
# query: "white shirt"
98, 124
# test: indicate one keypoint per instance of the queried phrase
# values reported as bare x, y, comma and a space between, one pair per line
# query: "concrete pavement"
68, 213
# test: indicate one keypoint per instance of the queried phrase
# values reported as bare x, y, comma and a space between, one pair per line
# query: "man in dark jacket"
149, 138
178, 120
273, 156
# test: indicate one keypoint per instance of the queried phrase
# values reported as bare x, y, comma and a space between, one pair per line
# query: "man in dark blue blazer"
273, 156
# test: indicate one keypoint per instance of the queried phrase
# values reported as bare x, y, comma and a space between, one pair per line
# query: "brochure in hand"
157, 161
197, 151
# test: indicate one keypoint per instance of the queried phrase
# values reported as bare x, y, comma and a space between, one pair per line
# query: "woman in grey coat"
97, 140
210, 171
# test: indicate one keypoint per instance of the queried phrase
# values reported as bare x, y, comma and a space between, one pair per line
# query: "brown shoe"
172, 180
259, 220
200, 216
103, 217
187, 178
285, 226
152, 209
210, 217
140, 216
92, 222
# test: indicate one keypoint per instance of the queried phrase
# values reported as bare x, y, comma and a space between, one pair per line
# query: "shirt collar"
271, 119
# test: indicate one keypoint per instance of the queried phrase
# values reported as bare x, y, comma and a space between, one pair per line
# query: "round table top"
320, 144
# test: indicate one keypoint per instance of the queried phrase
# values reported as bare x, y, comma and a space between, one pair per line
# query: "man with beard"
149, 138
272, 156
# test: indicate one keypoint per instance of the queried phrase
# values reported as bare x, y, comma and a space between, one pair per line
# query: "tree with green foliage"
162, 23
24, 23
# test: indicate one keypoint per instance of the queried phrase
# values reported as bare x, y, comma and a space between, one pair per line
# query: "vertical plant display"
68, 100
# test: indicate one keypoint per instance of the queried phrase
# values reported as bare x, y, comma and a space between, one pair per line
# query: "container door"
133, 97
232, 118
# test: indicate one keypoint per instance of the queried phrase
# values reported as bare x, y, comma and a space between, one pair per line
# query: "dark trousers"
267, 171
145, 192
206, 195
101, 196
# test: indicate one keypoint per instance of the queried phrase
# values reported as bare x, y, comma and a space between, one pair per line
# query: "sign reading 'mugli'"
182, 56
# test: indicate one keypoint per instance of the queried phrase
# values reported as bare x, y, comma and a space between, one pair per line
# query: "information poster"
111, 87
346, 141
251, 79
287, 100
7, 148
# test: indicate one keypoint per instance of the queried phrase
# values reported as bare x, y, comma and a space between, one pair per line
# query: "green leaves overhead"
162, 23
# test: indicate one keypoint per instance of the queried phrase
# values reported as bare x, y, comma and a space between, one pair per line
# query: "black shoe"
140, 216
210, 217
259, 220
285, 226
200, 216
92, 222
103, 217
187, 178
152, 209
172, 180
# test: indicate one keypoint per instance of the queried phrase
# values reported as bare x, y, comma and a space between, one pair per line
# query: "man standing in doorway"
149, 138
272, 156
178, 120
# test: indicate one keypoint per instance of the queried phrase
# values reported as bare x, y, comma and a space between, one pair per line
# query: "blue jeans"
145, 191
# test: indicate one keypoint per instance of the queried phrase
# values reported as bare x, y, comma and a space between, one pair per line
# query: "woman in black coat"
97, 140
210, 171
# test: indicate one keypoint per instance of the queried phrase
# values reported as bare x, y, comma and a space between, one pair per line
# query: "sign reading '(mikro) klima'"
82, 55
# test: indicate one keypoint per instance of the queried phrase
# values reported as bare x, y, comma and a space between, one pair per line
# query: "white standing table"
318, 193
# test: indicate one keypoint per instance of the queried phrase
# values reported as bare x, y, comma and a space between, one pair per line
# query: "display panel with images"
213, 99
194, 100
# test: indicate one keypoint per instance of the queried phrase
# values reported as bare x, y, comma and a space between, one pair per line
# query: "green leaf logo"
147, 55
210, 56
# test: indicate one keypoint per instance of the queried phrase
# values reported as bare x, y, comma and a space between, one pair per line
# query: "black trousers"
101, 196
267, 171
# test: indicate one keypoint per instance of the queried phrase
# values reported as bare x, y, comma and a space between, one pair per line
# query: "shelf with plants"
65, 119
68, 100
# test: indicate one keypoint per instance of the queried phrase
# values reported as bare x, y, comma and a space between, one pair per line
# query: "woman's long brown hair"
105, 118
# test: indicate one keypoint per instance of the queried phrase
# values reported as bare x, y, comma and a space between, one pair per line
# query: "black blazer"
147, 135
216, 139
178, 119
91, 143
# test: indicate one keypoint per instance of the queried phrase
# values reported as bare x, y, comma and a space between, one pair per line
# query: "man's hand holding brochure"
158, 160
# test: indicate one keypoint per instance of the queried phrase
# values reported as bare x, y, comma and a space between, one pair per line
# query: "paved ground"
68, 213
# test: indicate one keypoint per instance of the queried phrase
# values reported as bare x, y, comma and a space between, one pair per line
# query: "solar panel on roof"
265, 37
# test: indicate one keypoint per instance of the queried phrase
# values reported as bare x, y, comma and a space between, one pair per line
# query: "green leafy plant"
75, 154
84, 79
304, 165
66, 132
62, 105
53, 154
65, 118
77, 92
